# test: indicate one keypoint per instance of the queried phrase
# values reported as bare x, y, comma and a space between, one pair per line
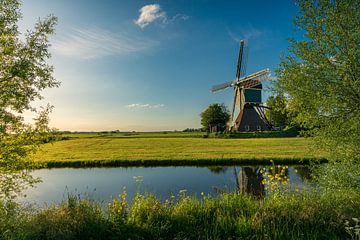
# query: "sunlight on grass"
130, 149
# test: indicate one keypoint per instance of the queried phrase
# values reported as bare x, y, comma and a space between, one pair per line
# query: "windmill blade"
238, 97
260, 75
242, 99
233, 107
244, 60
252, 83
223, 86
249, 84
240, 57
252, 88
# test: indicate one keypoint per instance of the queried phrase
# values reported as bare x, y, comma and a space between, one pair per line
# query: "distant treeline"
193, 130
127, 132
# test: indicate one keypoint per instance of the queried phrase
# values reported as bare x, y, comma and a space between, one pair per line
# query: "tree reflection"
217, 169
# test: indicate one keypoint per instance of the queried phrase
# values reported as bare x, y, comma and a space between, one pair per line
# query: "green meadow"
178, 149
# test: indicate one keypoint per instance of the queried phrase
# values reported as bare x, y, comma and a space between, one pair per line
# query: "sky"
149, 65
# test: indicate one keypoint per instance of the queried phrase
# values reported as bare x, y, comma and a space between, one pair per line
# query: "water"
101, 184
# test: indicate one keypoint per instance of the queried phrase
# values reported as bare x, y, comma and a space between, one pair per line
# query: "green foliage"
320, 76
353, 229
308, 215
279, 112
286, 132
24, 74
216, 115
77, 219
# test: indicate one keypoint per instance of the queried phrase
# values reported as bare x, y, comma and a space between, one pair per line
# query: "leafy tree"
321, 77
279, 112
24, 73
216, 115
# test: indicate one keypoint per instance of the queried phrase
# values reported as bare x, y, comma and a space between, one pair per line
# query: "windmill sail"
238, 97
240, 58
244, 82
260, 75
223, 86
233, 107
244, 60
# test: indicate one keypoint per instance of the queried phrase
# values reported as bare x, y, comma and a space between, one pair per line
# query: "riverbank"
177, 162
306, 215
174, 151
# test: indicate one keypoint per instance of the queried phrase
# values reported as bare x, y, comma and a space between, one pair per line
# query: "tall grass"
308, 215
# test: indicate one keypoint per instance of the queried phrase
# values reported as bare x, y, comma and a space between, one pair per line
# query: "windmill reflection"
258, 181
303, 172
249, 180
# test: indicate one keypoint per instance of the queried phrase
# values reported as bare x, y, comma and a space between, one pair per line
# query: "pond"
101, 184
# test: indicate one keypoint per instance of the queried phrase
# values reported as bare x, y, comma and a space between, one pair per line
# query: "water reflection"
250, 180
256, 180
218, 169
303, 172
163, 182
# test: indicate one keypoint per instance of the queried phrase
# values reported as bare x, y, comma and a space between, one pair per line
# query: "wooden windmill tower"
247, 98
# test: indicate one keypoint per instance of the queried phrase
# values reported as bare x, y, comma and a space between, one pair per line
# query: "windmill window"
258, 127
247, 127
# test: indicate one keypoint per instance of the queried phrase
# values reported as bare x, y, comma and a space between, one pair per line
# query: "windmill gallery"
247, 101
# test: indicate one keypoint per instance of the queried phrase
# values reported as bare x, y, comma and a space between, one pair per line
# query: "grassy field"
114, 150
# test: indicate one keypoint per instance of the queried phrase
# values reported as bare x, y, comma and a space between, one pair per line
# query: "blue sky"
149, 65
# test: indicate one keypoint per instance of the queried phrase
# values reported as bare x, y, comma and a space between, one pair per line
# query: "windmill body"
247, 98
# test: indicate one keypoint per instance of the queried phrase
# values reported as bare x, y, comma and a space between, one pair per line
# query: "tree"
279, 113
215, 116
320, 75
24, 73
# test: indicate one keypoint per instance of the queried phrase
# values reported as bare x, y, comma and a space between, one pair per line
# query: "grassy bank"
118, 151
231, 216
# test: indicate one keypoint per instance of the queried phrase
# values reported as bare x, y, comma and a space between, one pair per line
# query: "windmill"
247, 98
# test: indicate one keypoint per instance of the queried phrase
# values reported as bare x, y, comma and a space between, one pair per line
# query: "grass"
113, 150
307, 215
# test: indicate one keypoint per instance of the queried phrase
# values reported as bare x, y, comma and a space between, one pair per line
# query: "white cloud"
91, 43
144, 106
152, 12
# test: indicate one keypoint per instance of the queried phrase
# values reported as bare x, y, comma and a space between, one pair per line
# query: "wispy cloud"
144, 106
153, 12
89, 43
179, 16
246, 33
257, 39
